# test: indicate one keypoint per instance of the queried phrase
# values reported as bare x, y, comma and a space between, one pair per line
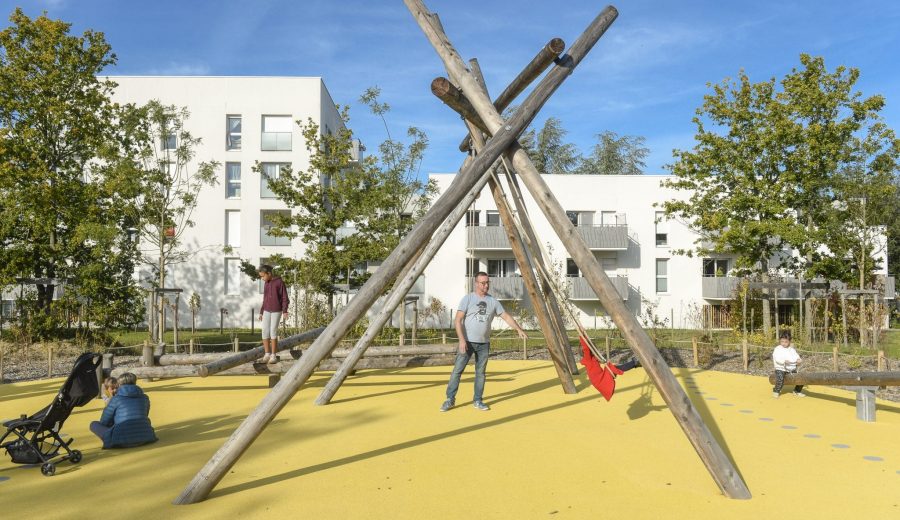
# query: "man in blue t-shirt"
473, 327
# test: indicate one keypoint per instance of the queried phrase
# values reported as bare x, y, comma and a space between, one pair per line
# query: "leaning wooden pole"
720, 467
219, 464
395, 297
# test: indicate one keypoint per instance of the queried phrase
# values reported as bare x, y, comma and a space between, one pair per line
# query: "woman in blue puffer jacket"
125, 422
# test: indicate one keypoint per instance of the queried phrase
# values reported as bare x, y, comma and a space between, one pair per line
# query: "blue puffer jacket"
128, 414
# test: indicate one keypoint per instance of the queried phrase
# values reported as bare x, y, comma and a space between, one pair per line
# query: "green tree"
404, 195
65, 194
331, 203
769, 163
614, 155
164, 153
548, 150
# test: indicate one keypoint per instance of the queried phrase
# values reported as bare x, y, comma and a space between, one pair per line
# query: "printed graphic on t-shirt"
481, 316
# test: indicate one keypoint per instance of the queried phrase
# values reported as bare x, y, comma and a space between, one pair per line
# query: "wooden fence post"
881, 362
191, 346
50, 361
525, 348
745, 354
834, 358
2, 350
237, 344
147, 354
696, 354
607, 346
443, 338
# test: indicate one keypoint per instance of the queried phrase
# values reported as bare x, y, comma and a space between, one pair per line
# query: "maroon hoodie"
275, 296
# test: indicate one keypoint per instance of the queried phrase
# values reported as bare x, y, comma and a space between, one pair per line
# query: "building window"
573, 217
662, 275
503, 268
608, 218
232, 180
581, 218
269, 171
276, 133
472, 267
492, 218
572, 270
715, 267
266, 224
233, 132
232, 276
233, 228
662, 229
472, 218
168, 142
608, 264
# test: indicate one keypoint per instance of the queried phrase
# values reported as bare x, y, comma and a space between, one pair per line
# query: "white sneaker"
273, 359
265, 359
775, 395
799, 394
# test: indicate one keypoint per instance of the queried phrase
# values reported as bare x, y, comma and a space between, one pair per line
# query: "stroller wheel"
48, 469
75, 458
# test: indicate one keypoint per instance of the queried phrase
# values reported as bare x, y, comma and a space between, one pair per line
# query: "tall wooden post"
695, 352
844, 319
721, 468
834, 359
216, 468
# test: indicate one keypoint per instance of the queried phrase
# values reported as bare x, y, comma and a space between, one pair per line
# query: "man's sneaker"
265, 359
799, 394
448, 404
775, 395
481, 406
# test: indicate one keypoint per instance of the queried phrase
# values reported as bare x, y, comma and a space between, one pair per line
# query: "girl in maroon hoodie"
275, 304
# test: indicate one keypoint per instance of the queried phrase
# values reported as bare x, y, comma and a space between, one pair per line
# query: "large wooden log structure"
255, 353
717, 462
841, 378
219, 464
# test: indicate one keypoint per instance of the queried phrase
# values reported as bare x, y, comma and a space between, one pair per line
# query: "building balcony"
725, 287
597, 238
580, 290
504, 287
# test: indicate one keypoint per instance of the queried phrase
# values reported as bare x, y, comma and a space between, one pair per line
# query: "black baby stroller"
37, 439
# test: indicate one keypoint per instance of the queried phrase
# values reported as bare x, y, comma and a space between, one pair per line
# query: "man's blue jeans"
481, 351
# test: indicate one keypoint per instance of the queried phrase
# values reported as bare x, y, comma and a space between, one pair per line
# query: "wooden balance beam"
865, 384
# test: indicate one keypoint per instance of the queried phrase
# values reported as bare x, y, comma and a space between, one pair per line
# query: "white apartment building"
241, 121
618, 217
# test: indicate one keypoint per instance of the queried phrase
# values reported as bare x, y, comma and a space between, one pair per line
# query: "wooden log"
282, 367
881, 362
339, 353
453, 98
396, 296
841, 378
745, 354
834, 358
147, 357
714, 458
221, 461
247, 356
535, 67
695, 351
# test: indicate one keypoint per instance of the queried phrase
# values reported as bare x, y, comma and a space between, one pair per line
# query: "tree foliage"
65, 192
611, 155
771, 167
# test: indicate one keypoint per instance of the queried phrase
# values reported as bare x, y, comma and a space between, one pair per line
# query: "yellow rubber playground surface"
382, 450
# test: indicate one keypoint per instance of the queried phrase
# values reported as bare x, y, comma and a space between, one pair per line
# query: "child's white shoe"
273, 359
265, 359
799, 394
775, 395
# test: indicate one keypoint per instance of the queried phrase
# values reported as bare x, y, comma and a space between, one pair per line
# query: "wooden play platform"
382, 450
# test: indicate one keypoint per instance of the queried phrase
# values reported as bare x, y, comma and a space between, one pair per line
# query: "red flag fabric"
602, 377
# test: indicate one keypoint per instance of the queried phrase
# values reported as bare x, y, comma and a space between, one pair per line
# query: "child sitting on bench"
786, 359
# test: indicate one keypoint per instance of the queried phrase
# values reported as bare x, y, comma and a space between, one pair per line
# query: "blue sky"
646, 76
